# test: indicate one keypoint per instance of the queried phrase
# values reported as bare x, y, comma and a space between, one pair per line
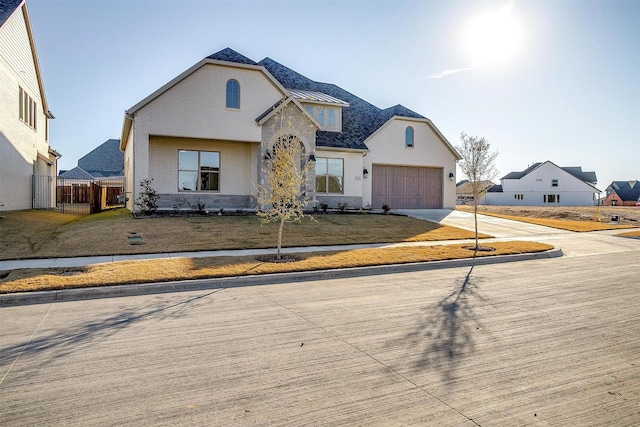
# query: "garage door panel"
406, 187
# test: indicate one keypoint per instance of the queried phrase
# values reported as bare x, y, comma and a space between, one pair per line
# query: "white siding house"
24, 116
545, 184
217, 115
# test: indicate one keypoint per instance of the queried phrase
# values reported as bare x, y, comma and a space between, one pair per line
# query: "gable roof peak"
229, 55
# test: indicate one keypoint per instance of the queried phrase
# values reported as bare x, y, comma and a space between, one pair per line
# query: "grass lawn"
199, 268
633, 234
563, 224
42, 234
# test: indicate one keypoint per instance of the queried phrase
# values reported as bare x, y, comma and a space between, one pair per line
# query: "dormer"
326, 109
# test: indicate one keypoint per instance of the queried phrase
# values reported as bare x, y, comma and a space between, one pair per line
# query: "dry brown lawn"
199, 268
633, 234
41, 234
579, 219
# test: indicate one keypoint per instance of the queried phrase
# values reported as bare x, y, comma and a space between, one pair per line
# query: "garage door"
406, 187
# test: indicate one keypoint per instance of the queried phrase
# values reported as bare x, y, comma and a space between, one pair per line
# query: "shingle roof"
104, 160
359, 120
495, 189
580, 174
629, 195
7, 7
77, 173
625, 185
576, 171
518, 175
231, 55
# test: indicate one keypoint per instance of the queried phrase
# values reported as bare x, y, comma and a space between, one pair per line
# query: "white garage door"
406, 187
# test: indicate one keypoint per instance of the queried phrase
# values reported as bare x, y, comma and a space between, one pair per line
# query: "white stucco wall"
195, 108
354, 180
538, 183
237, 163
387, 146
19, 143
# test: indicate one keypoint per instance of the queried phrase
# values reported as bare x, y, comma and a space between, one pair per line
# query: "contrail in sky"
449, 72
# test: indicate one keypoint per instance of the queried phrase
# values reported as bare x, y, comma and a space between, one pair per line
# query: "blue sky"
568, 93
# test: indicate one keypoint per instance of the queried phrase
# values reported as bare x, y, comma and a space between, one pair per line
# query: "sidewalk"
106, 259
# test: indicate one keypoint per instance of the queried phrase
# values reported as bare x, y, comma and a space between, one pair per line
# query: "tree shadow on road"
447, 329
58, 343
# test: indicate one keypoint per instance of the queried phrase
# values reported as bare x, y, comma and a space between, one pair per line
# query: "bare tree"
478, 165
283, 195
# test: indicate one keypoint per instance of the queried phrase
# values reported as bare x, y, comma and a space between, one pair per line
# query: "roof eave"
34, 54
127, 123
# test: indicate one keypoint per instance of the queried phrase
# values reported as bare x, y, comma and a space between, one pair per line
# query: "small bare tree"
478, 165
283, 197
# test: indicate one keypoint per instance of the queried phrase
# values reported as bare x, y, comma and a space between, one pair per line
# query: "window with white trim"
28, 109
328, 117
198, 170
554, 182
329, 175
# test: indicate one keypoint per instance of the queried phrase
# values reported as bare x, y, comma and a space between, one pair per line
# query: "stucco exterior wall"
387, 146
354, 180
23, 150
195, 108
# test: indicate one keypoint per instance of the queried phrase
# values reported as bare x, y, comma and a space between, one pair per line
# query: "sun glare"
493, 39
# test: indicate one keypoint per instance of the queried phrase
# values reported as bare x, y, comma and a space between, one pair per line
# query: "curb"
42, 297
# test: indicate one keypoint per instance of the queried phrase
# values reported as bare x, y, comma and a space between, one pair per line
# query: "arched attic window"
408, 137
233, 94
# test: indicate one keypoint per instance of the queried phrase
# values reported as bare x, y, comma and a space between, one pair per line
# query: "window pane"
320, 115
331, 117
187, 180
408, 137
321, 184
209, 181
321, 166
21, 110
233, 94
335, 167
209, 160
188, 160
309, 109
334, 175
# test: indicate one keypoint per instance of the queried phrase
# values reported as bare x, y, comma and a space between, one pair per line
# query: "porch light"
365, 172
267, 155
312, 158
451, 176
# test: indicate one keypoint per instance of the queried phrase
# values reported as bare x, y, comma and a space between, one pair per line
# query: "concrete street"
550, 342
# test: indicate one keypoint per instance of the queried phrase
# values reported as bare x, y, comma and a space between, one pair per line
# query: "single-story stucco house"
204, 136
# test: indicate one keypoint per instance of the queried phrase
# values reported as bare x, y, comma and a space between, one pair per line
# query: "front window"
408, 137
233, 94
198, 170
329, 175
327, 117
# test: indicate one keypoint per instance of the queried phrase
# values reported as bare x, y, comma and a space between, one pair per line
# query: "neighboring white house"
545, 184
28, 164
204, 136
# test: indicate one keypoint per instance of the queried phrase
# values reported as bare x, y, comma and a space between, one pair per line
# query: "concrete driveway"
497, 227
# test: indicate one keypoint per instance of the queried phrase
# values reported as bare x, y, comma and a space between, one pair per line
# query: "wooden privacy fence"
81, 197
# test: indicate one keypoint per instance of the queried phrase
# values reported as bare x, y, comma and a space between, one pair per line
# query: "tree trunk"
280, 238
475, 215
